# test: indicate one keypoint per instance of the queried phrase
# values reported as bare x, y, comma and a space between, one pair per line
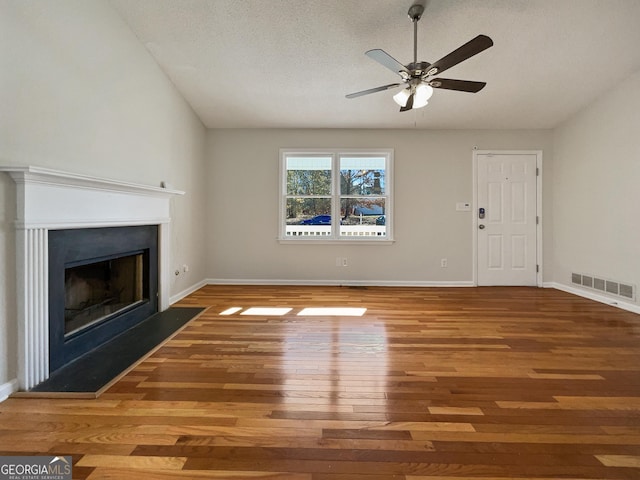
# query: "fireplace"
102, 281
53, 203
99, 290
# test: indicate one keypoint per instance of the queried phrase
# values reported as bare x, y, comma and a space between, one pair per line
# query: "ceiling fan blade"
373, 90
459, 85
468, 50
386, 60
409, 105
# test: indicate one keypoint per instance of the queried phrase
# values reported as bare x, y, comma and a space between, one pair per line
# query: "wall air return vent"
611, 287
598, 284
627, 291
605, 285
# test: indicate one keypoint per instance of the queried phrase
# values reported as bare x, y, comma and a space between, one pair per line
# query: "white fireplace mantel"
53, 200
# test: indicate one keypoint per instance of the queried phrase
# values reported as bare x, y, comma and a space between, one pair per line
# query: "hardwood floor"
429, 383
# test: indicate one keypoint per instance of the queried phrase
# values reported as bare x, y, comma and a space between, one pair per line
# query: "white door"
506, 237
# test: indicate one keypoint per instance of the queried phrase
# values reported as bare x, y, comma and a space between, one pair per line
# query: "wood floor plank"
132, 461
439, 383
128, 474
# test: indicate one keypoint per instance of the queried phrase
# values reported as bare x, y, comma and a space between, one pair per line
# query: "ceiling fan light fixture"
423, 94
402, 96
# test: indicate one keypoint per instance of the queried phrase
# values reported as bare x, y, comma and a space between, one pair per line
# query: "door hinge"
537, 172
537, 219
537, 268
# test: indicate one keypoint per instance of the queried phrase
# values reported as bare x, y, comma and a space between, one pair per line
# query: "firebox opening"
101, 289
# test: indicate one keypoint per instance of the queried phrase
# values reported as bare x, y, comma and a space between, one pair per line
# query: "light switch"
463, 207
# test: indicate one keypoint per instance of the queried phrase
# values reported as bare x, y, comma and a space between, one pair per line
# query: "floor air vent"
604, 285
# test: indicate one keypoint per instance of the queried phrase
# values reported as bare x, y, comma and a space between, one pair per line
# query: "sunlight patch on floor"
333, 311
231, 311
266, 311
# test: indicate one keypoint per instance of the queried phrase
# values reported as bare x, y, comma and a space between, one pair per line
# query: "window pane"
308, 217
362, 175
307, 209
308, 175
363, 217
309, 163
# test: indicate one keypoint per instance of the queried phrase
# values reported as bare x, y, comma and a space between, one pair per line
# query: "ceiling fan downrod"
415, 13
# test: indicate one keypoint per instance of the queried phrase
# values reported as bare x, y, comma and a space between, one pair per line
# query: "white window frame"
335, 236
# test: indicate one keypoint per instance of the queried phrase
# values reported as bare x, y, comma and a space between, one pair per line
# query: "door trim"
474, 210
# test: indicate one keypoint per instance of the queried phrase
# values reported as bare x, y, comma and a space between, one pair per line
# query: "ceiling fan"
417, 76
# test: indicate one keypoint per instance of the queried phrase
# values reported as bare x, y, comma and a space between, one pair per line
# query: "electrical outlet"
443, 262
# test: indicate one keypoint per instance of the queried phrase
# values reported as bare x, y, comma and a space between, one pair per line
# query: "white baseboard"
594, 296
7, 389
338, 283
180, 295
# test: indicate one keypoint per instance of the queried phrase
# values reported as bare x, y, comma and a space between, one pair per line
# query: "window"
351, 186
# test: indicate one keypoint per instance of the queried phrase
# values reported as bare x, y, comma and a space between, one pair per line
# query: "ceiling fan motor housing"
418, 69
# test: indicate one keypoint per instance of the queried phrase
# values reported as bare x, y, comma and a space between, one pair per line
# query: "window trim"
335, 154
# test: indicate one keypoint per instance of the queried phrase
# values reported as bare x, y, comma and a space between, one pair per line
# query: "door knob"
481, 227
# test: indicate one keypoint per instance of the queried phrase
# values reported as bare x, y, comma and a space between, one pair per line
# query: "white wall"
433, 171
80, 93
596, 187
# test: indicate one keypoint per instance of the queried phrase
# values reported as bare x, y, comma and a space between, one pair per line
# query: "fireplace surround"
102, 281
50, 200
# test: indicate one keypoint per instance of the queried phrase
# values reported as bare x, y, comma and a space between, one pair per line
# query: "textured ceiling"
289, 63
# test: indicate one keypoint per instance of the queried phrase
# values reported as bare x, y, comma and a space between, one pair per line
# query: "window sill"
333, 241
